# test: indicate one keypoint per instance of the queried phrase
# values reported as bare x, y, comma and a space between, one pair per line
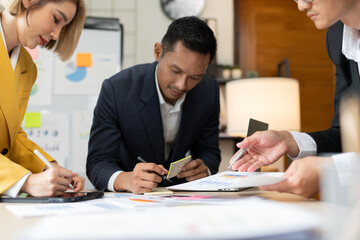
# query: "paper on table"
230, 181
248, 218
176, 167
52, 209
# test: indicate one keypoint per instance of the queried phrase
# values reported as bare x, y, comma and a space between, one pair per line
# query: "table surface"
10, 223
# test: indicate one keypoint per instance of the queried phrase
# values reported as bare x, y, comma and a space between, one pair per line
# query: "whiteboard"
68, 94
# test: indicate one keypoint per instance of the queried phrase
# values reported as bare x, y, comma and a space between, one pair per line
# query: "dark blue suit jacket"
347, 80
127, 124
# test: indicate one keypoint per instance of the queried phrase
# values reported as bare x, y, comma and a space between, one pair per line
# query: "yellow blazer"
17, 158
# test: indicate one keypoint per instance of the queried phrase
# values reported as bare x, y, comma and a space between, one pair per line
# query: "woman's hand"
52, 182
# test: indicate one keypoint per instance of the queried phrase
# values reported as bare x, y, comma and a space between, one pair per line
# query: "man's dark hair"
194, 34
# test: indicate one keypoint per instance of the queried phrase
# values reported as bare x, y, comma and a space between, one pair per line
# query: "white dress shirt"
343, 162
306, 144
351, 44
170, 115
15, 189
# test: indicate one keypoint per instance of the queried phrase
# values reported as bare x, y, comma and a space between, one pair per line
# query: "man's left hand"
193, 170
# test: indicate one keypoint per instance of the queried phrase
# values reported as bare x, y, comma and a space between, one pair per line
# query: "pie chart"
73, 73
34, 89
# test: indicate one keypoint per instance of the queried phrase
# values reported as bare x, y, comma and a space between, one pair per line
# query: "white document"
230, 181
81, 125
52, 209
133, 201
176, 167
41, 91
248, 218
52, 136
70, 79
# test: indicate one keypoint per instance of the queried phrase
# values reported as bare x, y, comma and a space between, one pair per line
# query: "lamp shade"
275, 101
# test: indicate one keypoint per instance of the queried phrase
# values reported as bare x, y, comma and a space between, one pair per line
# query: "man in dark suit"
343, 45
160, 112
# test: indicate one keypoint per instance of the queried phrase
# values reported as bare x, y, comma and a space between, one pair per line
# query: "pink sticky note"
193, 197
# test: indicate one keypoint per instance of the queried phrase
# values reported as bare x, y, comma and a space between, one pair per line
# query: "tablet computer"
67, 197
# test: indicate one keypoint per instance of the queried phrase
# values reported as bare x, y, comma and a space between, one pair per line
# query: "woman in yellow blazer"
56, 25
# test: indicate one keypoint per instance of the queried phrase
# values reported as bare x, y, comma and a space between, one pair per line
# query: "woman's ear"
26, 3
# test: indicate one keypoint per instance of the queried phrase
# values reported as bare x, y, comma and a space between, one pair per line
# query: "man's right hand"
52, 182
142, 179
265, 148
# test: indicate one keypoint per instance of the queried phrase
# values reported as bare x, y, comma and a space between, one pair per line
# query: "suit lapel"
151, 115
355, 71
8, 95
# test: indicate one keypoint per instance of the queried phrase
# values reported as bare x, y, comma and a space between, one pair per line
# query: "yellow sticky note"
33, 120
83, 59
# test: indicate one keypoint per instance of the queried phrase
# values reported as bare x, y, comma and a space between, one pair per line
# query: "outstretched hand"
264, 148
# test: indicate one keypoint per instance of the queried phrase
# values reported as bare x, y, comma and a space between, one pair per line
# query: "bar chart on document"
230, 181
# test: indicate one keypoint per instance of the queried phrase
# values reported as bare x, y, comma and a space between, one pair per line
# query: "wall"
145, 23
272, 31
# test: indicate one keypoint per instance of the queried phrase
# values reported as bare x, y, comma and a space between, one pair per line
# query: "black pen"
162, 176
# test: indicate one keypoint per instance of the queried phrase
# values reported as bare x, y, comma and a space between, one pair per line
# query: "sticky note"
33, 120
176, 167
159, 191
83, 59
192, 197
34, 53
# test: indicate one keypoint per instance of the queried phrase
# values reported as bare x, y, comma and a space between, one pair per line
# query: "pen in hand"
162, 176
237, 156
47, 163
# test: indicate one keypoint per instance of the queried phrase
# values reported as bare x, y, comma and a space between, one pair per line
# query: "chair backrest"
275, 101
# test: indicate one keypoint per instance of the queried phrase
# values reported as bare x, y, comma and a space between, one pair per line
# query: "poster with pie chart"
71, 79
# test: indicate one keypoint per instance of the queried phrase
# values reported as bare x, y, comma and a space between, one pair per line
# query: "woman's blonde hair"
70, 33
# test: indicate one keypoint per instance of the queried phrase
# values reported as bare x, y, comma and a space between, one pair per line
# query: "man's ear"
158, 49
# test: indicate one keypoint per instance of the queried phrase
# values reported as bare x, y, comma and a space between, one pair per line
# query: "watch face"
175, 9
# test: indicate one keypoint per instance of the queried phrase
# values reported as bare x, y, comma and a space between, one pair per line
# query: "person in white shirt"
264, 148
55, 25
